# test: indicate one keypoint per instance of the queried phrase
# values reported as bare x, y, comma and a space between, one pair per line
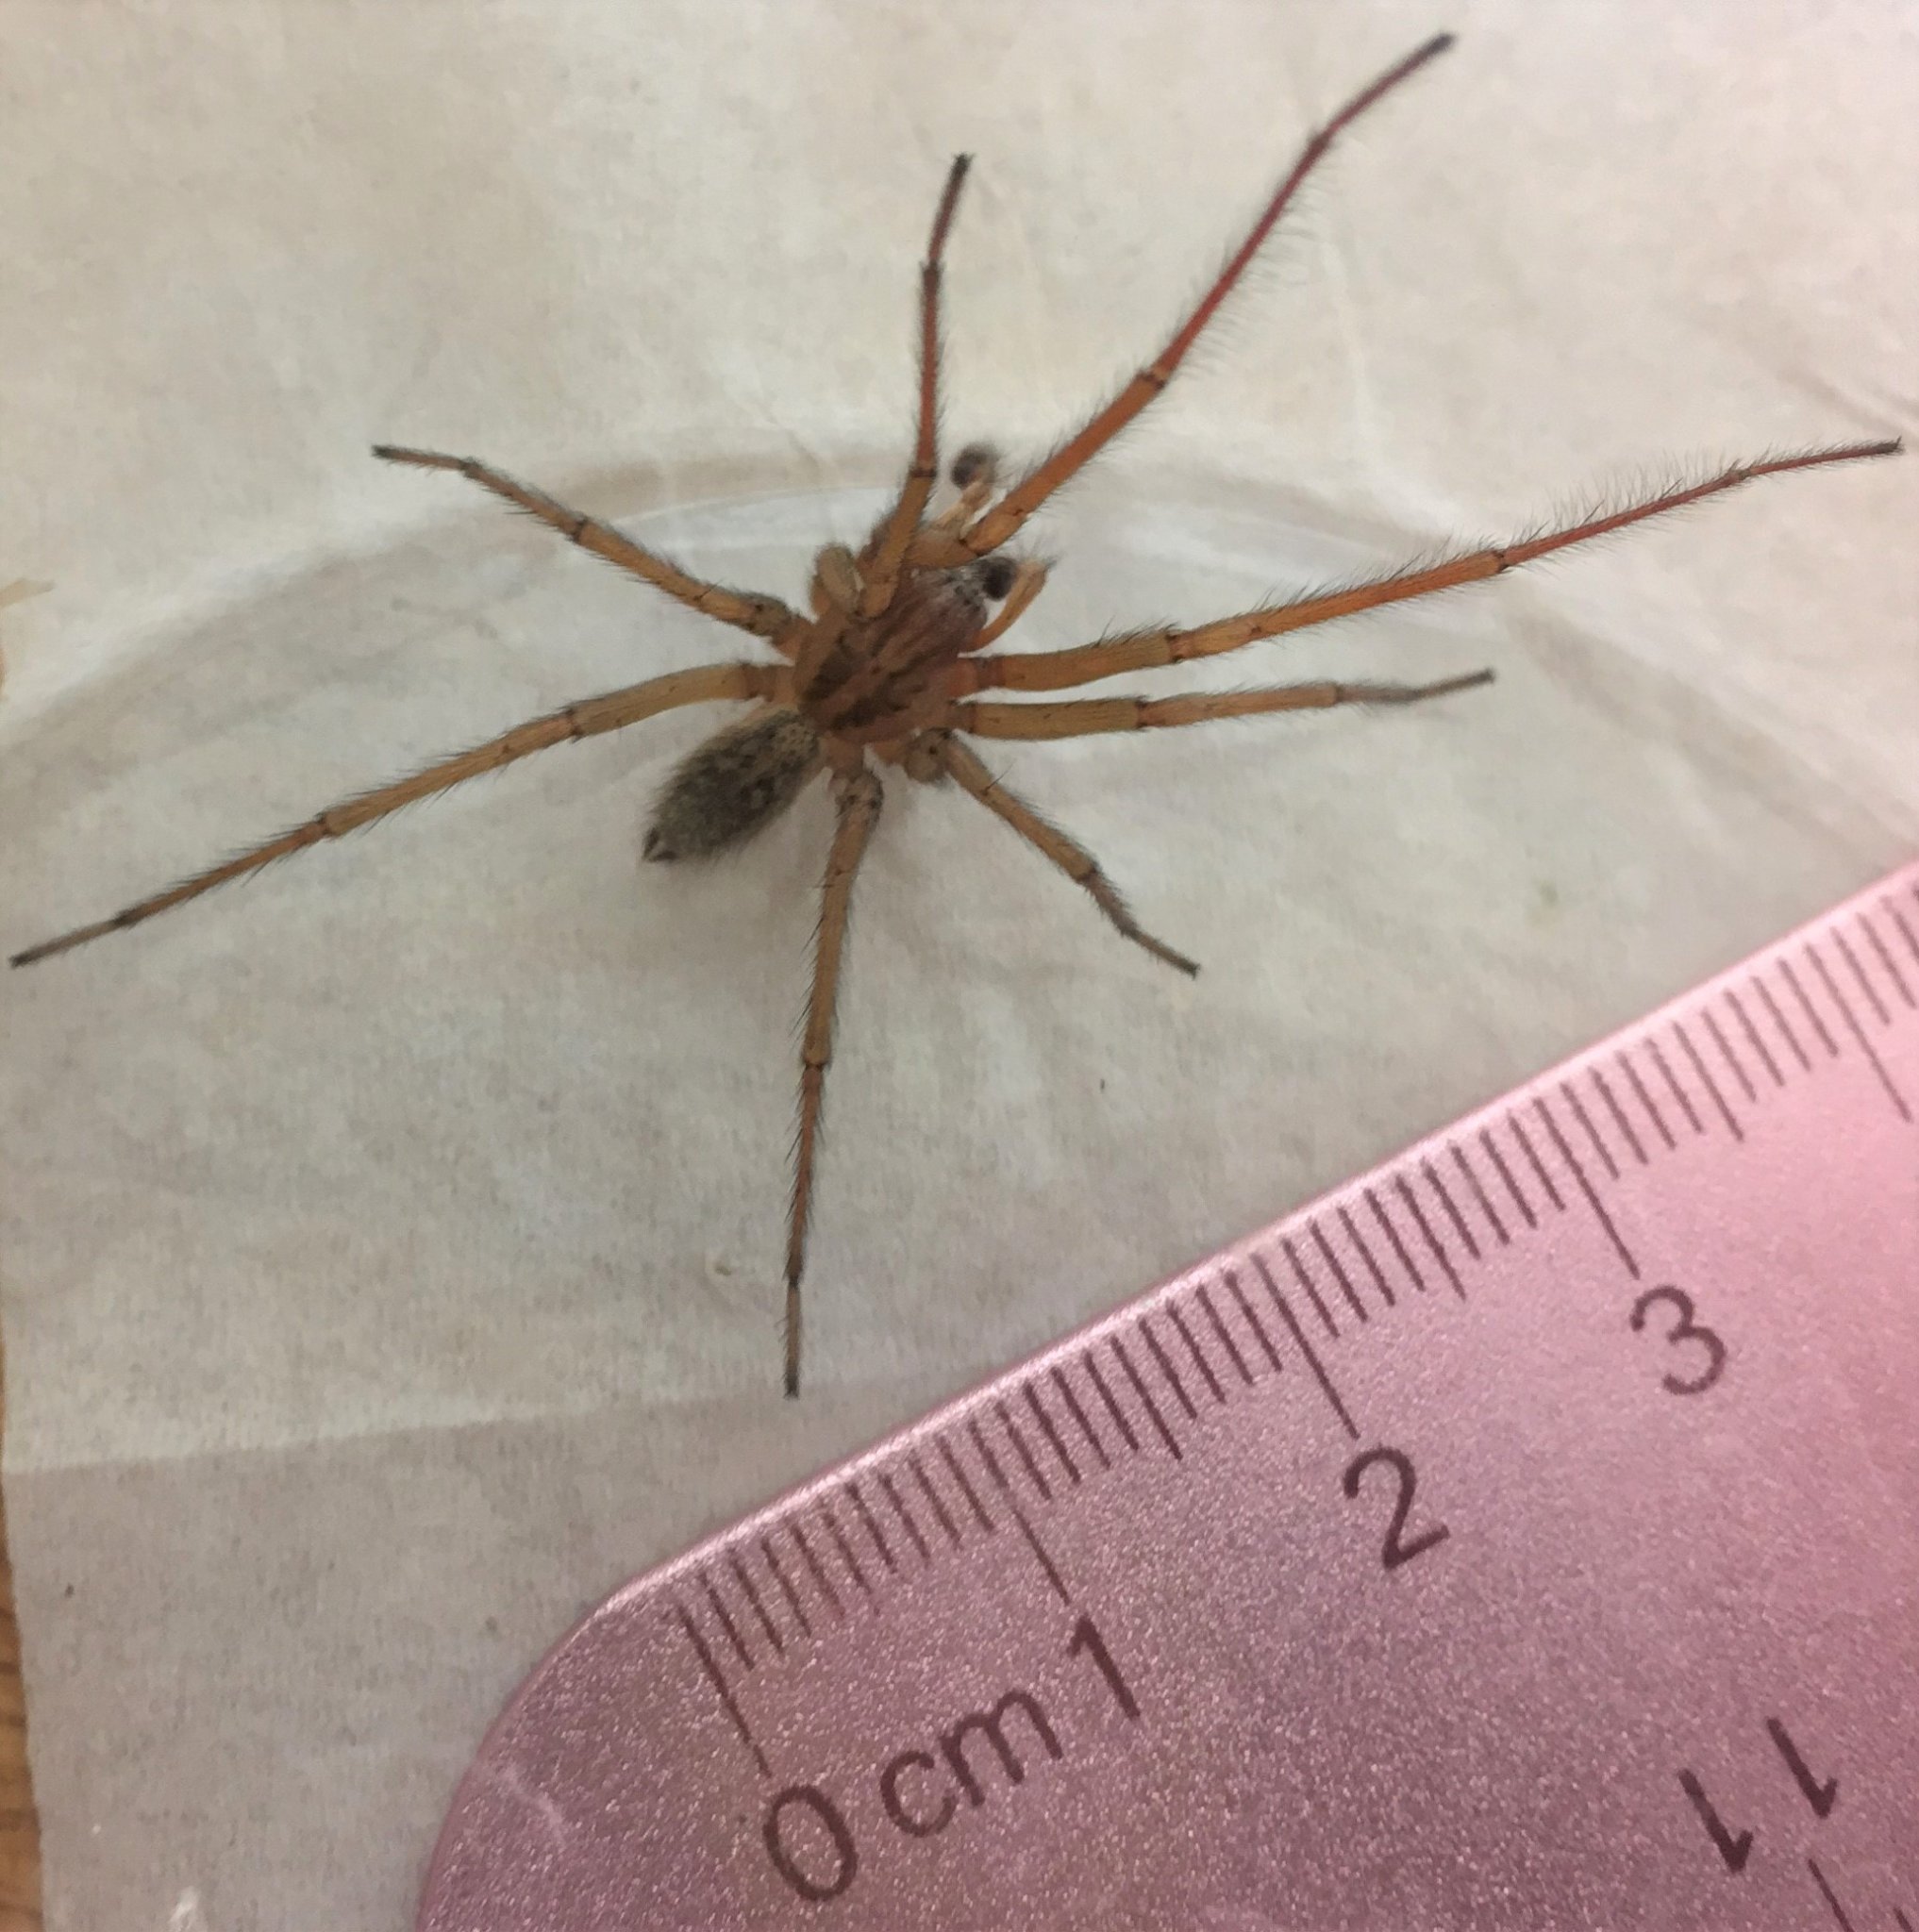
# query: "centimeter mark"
1147, 1383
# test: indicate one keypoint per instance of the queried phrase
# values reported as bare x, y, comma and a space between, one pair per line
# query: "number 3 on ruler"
1684, 1329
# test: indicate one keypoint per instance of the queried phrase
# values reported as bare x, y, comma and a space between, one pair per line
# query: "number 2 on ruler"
1396, 1552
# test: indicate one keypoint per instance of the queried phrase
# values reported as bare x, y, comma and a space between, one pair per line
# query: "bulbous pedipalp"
995, 576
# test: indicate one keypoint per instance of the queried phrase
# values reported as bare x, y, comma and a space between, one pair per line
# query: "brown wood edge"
20, 1897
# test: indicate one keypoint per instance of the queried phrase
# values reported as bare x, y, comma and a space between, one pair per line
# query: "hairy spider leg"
887, 553
856, 799
1046, 839
765, 617
1149, 650
612, 711
1081, 717
1005, 519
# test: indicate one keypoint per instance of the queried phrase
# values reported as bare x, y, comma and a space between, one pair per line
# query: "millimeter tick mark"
1498, 1160
1040, 1556
1086, 1428
1392, 1234
1838, 1910
1858, 1032
1305, 1347
1593, 1200
1245, 1308
1365, 1254
1305, 1280
1147, 1402
1727, 1053
726, 1623
1021, 1450
1705, 1079
1404, 1188
713, 1677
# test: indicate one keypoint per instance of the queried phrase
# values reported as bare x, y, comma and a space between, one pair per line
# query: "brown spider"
887, 664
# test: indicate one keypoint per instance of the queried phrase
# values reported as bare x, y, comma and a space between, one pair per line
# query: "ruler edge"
789, 1499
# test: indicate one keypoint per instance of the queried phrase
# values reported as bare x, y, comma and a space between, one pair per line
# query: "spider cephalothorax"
866, 677
885, 666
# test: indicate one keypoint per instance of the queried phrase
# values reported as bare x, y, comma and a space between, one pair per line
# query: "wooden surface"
19, 1826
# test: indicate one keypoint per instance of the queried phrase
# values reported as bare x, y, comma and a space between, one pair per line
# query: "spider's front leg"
855, 799
987, 532
886, 552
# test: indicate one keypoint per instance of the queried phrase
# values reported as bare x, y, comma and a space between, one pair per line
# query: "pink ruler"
1524, 1535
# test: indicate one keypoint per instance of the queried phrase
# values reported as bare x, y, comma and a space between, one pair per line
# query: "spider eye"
995, 576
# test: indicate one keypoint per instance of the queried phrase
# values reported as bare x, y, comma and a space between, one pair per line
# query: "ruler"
1524, 1535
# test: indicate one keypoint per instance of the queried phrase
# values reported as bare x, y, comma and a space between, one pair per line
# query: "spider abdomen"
734, 785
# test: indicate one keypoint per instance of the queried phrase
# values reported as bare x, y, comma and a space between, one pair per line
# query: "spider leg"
765, 617
835, 597
1080, 717
1005, 517
611, 711
888, 549
1148, 649
857, 797
1071, 858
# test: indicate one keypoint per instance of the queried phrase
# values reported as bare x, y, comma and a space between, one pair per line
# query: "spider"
886, 666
